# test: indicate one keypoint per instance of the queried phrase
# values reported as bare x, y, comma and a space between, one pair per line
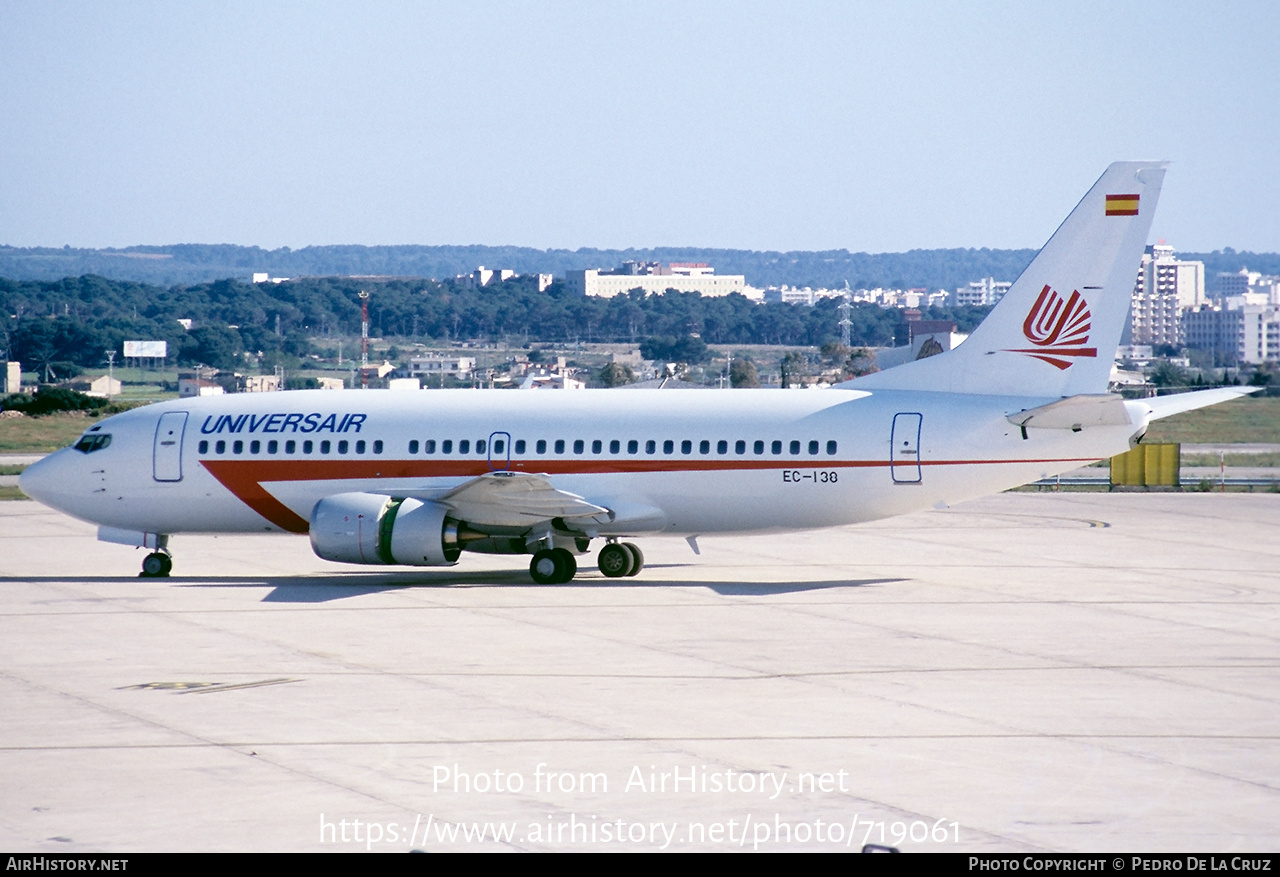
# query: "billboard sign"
153, 349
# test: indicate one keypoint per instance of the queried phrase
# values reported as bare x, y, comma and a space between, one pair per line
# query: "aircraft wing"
512, 499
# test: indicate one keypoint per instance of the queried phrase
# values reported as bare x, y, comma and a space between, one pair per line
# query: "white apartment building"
1164, 287
1245, 333
986, 291
433, 365
655, 278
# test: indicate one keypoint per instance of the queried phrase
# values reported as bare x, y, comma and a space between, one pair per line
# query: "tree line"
76, 319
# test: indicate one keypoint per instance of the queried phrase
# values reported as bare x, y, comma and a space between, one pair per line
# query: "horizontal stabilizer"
1167, 406
1075, 413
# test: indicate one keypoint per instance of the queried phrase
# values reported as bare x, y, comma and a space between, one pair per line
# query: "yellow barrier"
1154, 465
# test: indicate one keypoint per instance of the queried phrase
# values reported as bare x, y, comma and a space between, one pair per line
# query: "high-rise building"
1164, 287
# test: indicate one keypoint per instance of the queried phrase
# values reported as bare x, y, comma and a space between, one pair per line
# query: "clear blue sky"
876, 127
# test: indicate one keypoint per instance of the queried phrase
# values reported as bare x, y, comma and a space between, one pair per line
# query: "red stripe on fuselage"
244, 478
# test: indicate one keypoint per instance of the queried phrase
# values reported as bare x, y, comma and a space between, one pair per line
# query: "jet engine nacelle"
368, 528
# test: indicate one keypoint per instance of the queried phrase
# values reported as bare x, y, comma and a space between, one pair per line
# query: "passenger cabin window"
360, 446
290, 446
446, 446
831, 449
377, 446
722, 447
464, 446
704, 447
559, 446
813, 448
633, 447
324, 446
342, 446
686, 447
237, 447
758, 447
307, 446
776, 447
204, 446
413, 446
578, 445
273, 447
739, 447
795, 448
668, 447
255, 447
596, 446
540, 447
429, 446
650, 447
499, 446
480, 446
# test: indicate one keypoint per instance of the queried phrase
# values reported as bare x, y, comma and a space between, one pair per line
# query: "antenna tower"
364, 340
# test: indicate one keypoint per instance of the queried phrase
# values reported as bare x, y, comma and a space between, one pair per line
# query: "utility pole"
111, 371
364, 340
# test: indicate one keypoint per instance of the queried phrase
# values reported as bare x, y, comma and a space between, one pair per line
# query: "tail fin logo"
1058, 328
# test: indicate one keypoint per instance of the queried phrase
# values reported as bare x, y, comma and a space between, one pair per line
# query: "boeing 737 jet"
381, 477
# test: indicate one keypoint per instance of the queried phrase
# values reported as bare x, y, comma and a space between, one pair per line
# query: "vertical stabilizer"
1055, 332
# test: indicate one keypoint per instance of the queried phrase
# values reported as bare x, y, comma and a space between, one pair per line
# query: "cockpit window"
90, 443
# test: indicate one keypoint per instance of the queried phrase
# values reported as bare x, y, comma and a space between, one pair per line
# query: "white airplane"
382, 477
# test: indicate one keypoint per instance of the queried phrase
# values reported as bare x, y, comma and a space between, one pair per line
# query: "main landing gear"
156, 565
618, 559
553, 566
556, 566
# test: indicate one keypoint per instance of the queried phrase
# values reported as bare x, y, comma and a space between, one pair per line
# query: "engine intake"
369, 528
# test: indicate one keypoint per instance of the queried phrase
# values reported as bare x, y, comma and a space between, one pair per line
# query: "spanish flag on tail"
1122, 205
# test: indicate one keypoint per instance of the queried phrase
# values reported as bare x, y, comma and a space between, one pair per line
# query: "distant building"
483, 276
261, 383
981, 293
542, 380
1246, 333
1232, 284
654, 278
1164, 288
188, 387
331, 383
103, 387
12, 378
404, 384
433, 365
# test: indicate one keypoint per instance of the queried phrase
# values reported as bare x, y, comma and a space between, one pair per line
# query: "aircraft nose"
40, 480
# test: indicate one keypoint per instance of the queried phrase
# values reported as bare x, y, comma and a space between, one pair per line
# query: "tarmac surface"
1028, 672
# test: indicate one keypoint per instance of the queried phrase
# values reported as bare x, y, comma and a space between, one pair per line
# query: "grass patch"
8, 493
1251, 461
1248, 420
36, 435
11, 470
